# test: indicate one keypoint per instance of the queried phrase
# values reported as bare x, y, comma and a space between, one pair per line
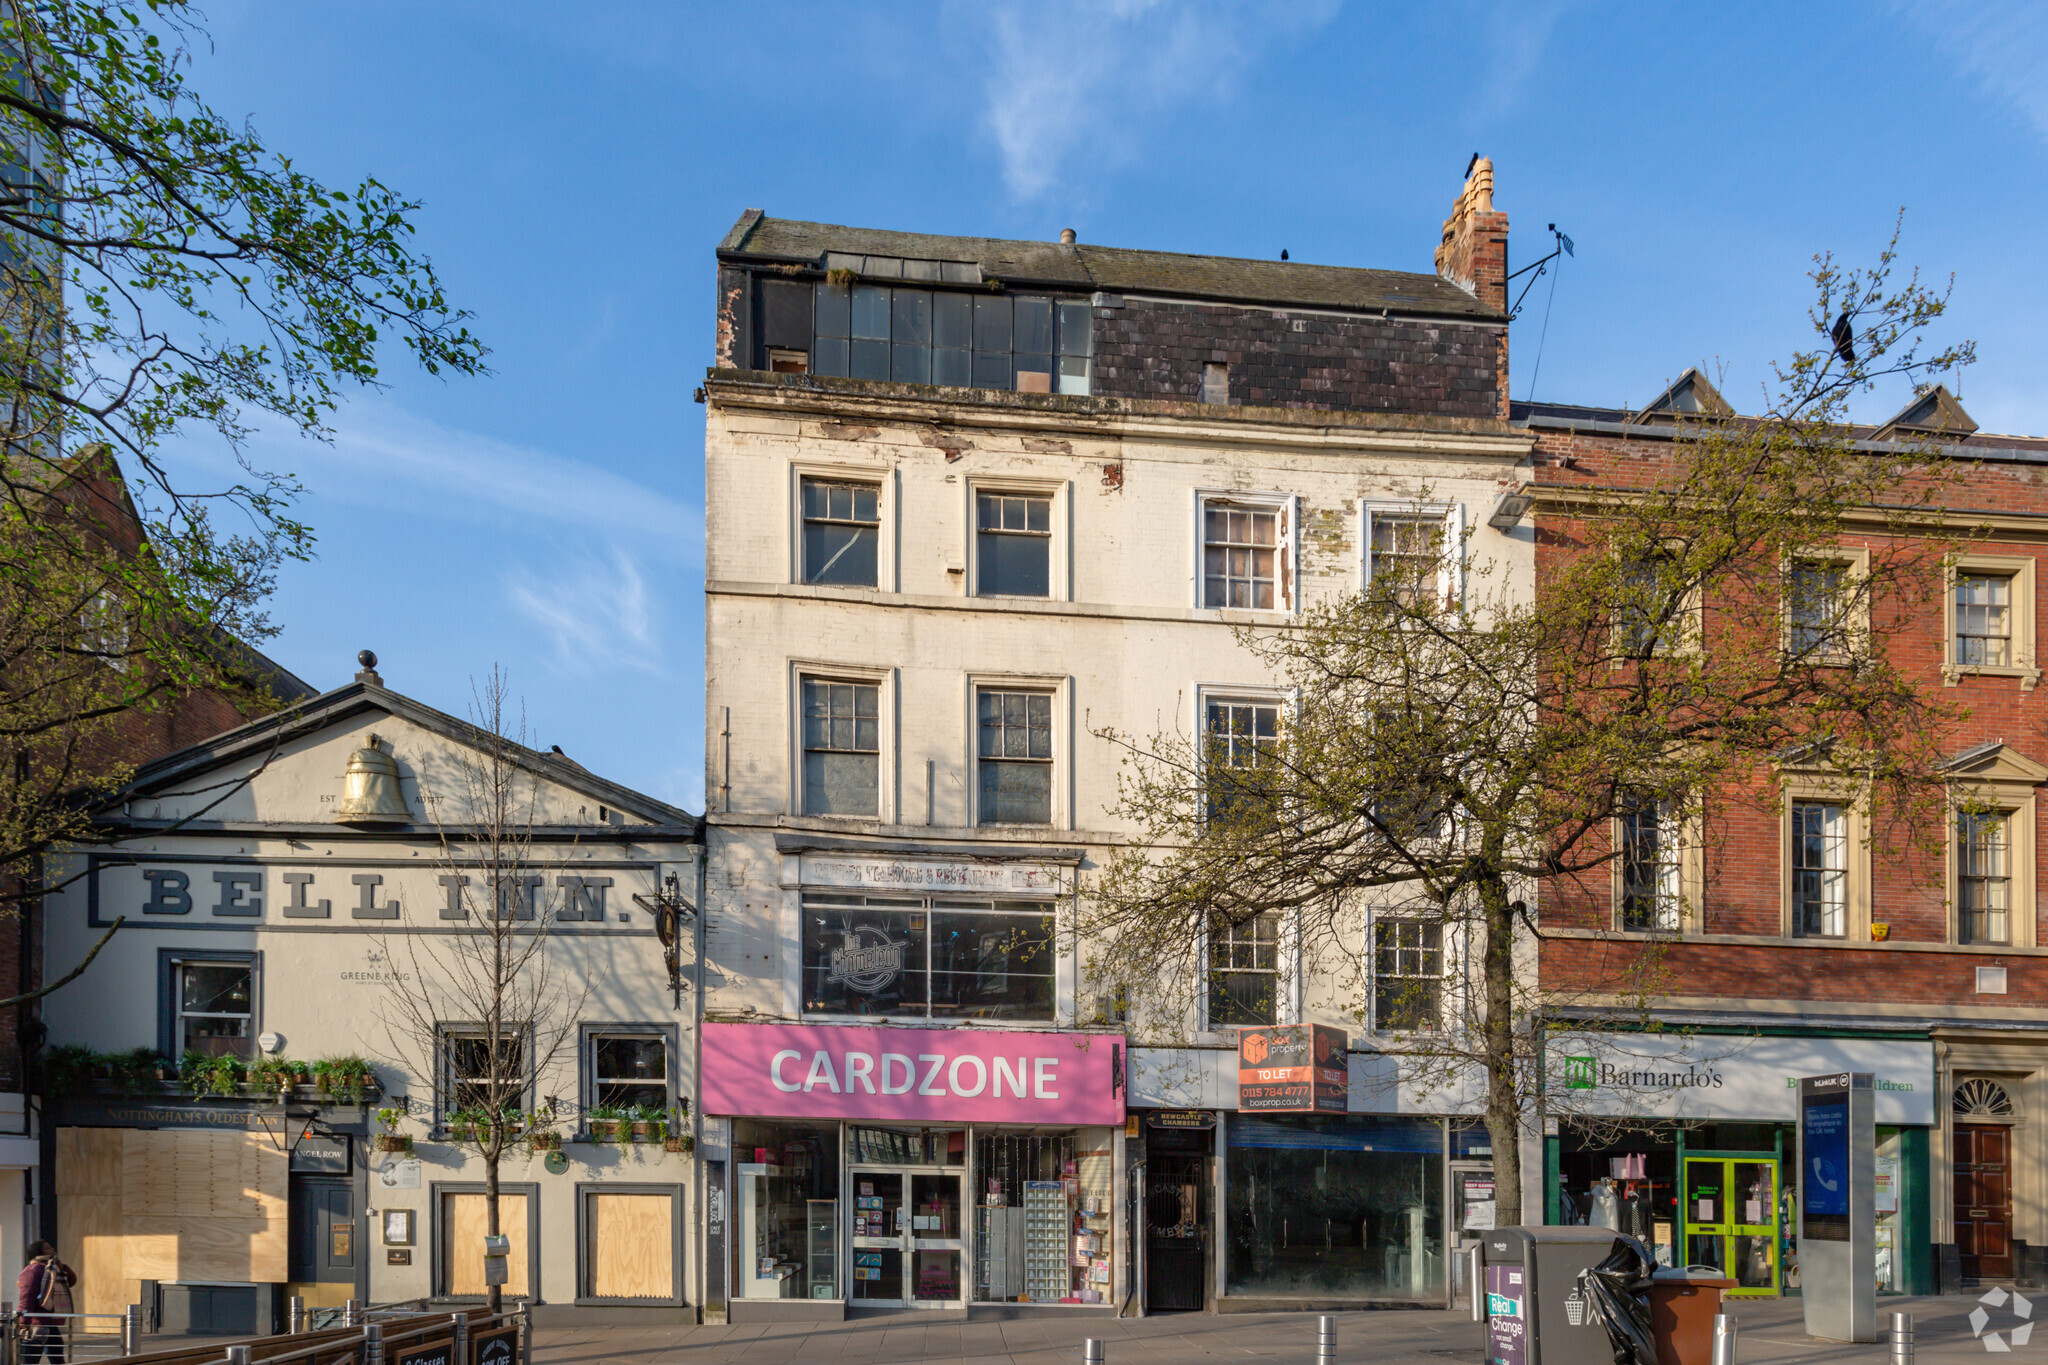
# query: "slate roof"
1629, 421
1116, 270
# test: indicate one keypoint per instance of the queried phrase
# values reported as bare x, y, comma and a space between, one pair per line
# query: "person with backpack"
43, 1294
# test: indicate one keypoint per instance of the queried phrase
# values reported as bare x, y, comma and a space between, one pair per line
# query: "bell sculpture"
370, 793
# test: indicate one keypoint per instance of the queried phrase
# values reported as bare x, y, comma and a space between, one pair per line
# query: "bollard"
1326, 1340
459, 1323
238, 1355
131, 1330
298, 1314
1475, 1267
526, 1332
1724, 1339
1091, 1351
8, 1348
352, 1313
373, 1344
1902, 1339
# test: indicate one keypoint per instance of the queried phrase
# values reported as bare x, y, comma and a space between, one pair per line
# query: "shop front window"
1042, 1226
1324, 1206
916, 958
786, 1204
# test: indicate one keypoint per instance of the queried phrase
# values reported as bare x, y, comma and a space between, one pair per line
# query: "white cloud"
596, 612
383, 456
2003, 46
1516, 35
1069, 75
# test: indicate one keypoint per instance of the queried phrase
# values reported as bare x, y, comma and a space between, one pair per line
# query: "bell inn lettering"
247, 892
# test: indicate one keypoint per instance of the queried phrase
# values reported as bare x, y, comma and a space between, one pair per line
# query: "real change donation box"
1535, 1311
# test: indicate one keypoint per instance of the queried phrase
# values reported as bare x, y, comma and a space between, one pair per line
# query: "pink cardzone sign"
841, 1071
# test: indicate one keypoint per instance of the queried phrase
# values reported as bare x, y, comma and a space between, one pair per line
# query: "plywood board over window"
168, 1204
463, 1220
630, 1246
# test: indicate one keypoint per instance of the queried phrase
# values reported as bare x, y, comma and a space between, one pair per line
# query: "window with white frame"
1820, 868
1013, 751
214, 1008
1244, 971
1817, 608
842, 747
1652, 867
1406, 555
1012, 545
1247, 550
1983, 620
1242, 736
1984, 876
842, 532
628, 1071
1407, 975
1414, 552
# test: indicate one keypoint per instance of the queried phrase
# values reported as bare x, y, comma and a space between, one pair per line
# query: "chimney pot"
1067, 236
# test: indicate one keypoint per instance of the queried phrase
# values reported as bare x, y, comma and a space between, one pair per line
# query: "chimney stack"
1474, 252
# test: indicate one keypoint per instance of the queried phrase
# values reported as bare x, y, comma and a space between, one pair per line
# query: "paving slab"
1771, 1332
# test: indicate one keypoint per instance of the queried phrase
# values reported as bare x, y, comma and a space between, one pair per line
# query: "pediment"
1690, 395
1996, 761
289, 769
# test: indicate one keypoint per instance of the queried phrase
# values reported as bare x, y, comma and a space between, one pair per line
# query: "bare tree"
1442, 760
485, 1008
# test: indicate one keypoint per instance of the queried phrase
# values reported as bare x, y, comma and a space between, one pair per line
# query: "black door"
323, 1230
1176, 1230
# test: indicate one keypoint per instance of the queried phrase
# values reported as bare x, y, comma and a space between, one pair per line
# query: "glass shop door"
907, 1248
1731, 1220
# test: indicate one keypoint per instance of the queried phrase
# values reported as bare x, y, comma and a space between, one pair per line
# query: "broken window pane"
842, 527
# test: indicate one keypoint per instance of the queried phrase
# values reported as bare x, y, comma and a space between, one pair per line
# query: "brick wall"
1742, 895
1157, 350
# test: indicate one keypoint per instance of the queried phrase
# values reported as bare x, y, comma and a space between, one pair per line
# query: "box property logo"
1580, 1073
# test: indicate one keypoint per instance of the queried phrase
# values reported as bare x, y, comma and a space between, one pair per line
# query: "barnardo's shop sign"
842, 1071
1719, 1076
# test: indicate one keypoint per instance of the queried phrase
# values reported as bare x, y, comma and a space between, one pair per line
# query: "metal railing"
375, 1334
68, 1336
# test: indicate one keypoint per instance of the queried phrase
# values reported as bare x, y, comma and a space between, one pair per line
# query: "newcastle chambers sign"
1722, 1076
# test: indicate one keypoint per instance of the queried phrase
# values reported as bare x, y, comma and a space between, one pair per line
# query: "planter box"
393, 1142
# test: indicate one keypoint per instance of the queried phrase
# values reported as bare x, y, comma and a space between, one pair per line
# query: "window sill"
1951, 674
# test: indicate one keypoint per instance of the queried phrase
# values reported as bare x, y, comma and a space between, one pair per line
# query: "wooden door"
1983, 1189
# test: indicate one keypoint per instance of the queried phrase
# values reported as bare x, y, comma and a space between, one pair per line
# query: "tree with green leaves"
164, 276
1450, 773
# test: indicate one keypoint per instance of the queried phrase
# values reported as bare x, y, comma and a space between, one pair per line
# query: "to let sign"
1293, 1069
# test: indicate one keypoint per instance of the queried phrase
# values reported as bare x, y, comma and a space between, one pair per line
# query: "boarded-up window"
629, 1246
463, 1220
167, 1204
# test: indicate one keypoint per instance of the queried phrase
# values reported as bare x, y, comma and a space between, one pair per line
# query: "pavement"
1772, 1332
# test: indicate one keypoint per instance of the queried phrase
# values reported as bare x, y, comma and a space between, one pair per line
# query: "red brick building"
1794, 940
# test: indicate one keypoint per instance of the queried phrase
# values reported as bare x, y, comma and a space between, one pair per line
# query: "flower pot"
672, 1144
393, 1142
642, 1131
604, 1130
546, 1142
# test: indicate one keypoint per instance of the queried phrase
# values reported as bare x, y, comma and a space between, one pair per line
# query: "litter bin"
1682, 1308
1537, 1309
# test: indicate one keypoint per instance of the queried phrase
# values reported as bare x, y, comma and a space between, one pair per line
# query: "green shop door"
1731, 1219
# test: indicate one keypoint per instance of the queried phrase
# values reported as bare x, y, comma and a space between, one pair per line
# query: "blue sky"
580, 162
